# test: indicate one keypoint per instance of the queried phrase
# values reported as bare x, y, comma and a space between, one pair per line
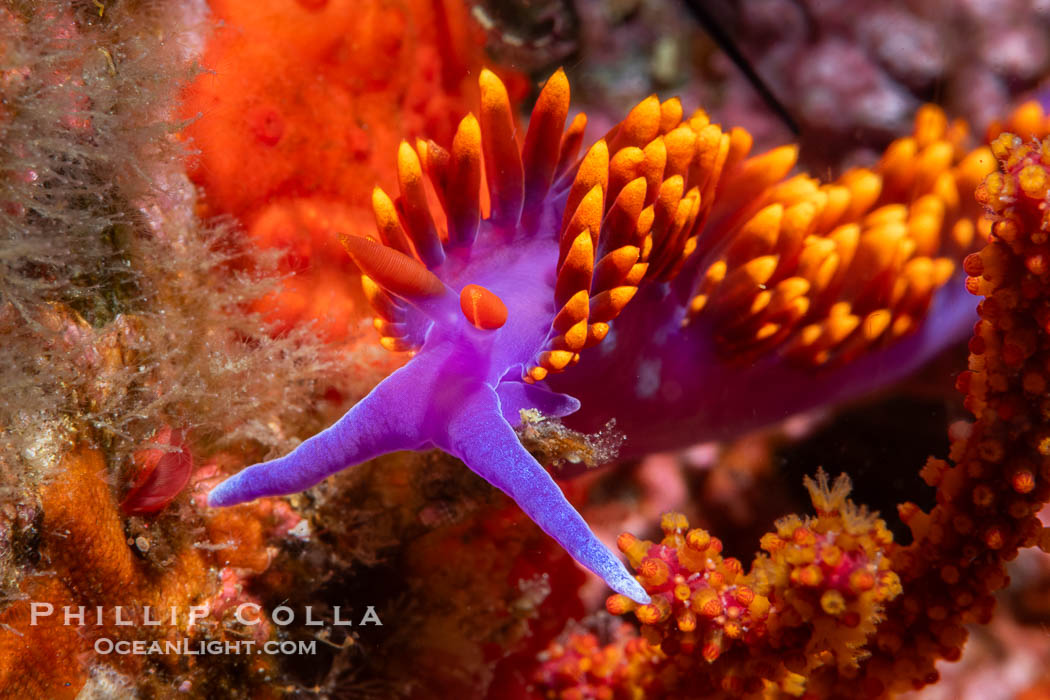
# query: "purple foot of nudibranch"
417, 407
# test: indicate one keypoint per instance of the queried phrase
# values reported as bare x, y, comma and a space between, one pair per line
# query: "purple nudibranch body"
631, 269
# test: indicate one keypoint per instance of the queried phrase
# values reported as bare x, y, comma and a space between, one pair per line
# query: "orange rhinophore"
483, 309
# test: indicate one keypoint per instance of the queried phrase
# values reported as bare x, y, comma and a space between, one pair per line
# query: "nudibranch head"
541, 248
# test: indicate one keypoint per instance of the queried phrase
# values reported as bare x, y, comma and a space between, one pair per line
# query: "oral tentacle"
402, 276
392, 417
479, 435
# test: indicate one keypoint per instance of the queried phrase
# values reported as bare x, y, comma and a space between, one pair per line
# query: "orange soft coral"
999, 474
805, 610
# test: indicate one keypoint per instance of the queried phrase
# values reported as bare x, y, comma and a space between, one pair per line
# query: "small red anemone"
161, 472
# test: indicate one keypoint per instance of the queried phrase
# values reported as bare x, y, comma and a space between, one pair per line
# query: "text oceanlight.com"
187, 647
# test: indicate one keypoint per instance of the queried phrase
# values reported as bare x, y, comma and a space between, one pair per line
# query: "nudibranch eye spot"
685, 261
483, 309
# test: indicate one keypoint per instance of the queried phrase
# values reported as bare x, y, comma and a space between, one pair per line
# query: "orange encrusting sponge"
297, 113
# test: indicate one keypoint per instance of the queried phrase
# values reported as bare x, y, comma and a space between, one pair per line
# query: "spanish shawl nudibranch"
734, 283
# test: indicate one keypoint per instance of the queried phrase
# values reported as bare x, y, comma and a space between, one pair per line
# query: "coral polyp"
805, 610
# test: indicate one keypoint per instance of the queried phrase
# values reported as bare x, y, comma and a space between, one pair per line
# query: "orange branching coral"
1028, 121
829, 573
999, 474
706, 595
823, 272
582, 668
807, 608
295, 120
850, 612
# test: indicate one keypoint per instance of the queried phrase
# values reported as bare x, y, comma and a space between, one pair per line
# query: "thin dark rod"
725, 42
